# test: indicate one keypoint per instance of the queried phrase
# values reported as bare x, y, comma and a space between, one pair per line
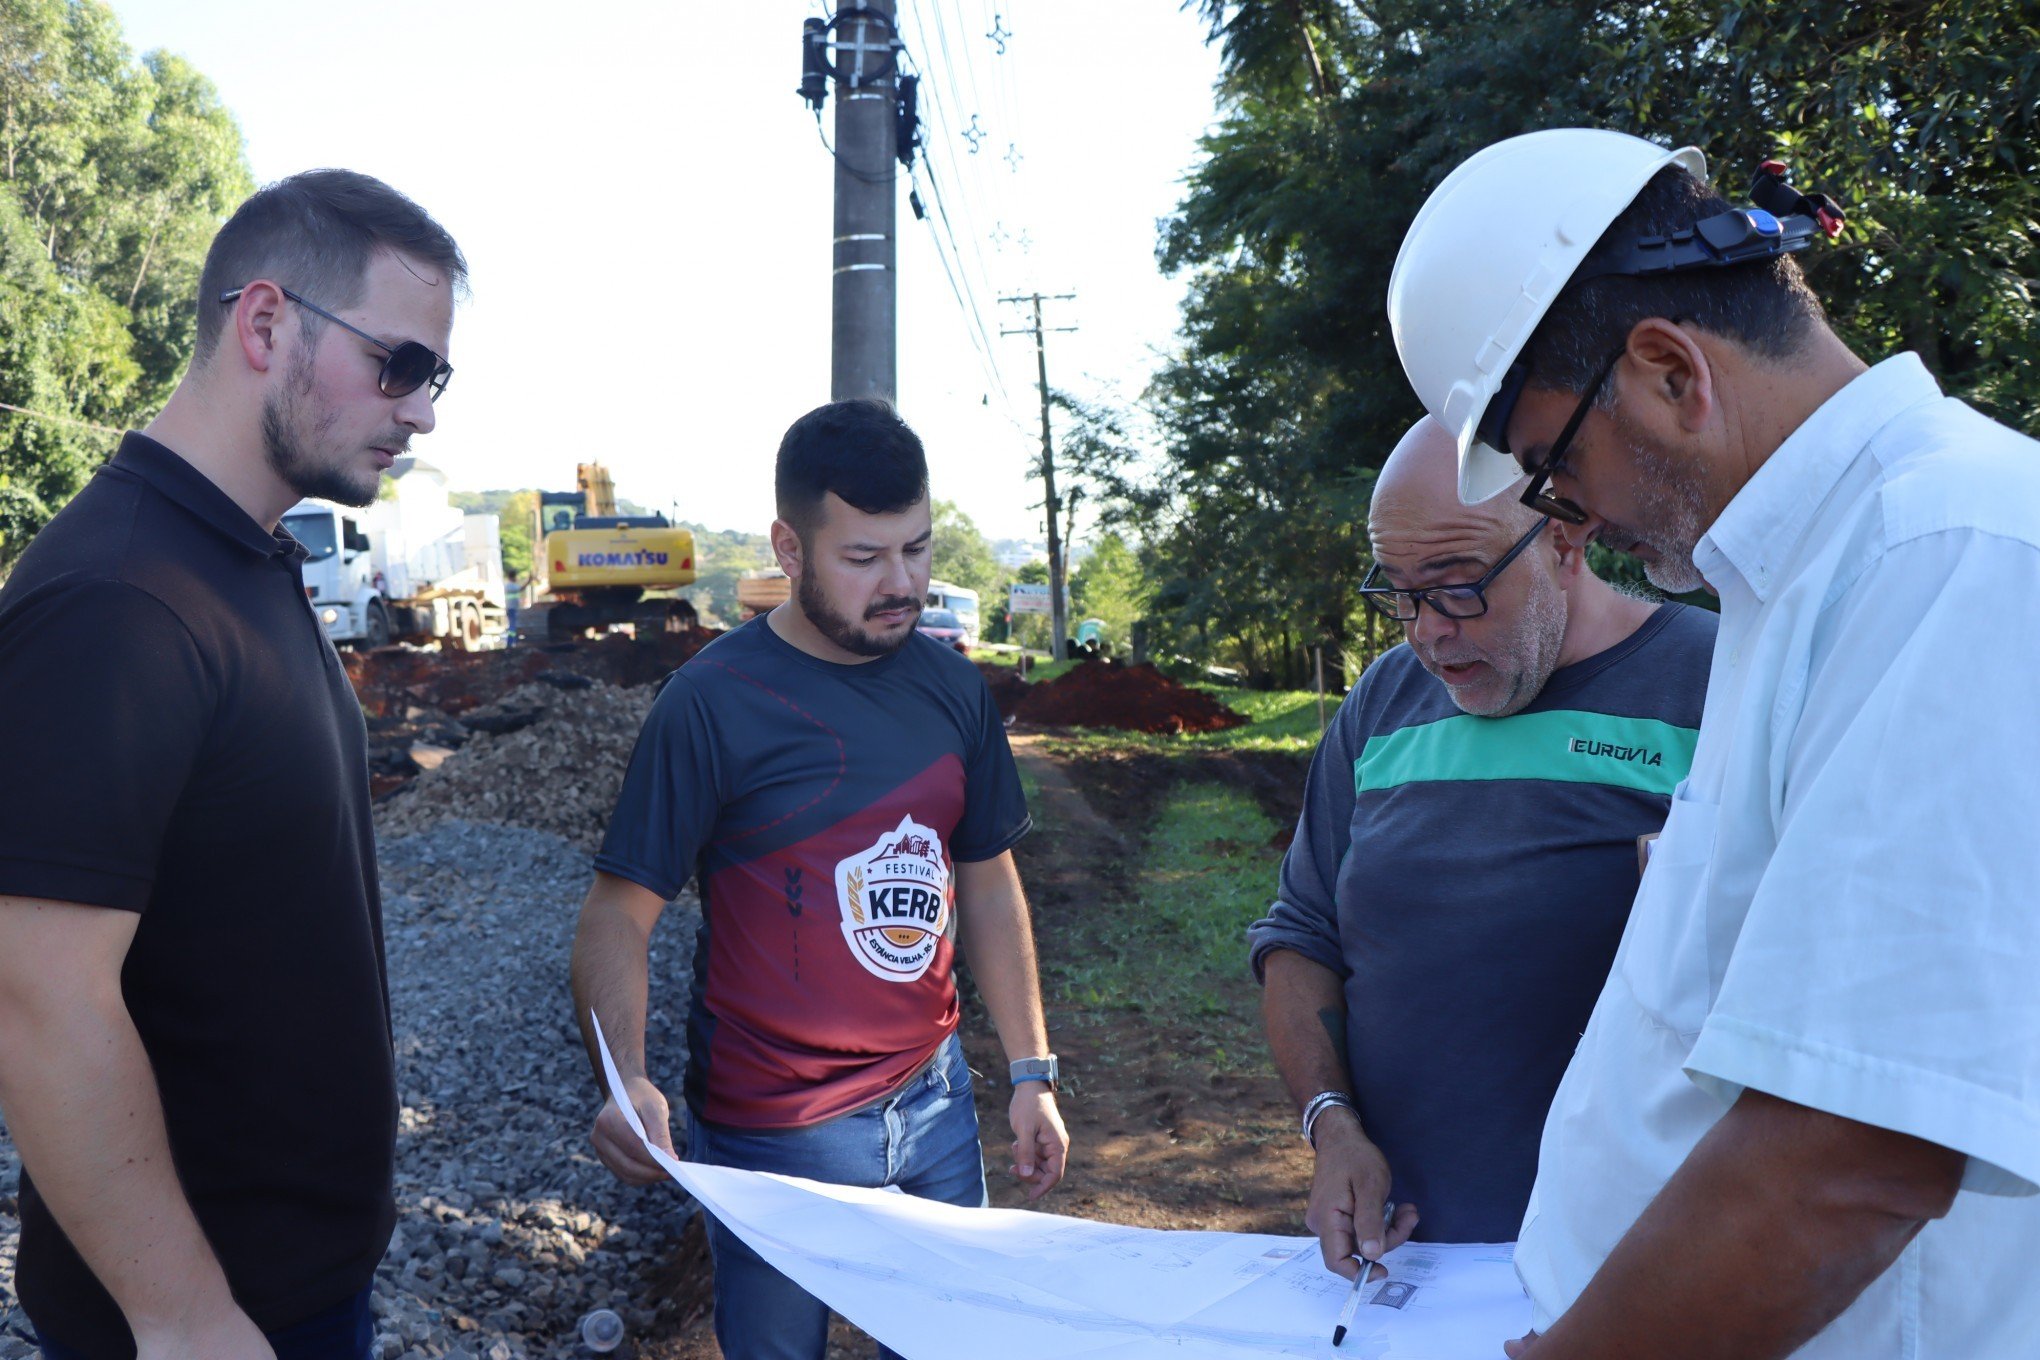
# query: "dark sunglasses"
409, 367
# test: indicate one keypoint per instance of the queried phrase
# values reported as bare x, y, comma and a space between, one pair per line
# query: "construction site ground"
1176, 1118
1169, 1129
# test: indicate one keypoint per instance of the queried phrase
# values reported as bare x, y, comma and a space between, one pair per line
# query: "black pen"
1366, 1269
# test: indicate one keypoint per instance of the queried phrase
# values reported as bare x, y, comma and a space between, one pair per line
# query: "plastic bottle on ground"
602, 1331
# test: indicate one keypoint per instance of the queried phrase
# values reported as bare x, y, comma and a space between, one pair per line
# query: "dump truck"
594, 568
406, 568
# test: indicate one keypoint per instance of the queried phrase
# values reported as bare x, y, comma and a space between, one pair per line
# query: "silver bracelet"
1319, 1103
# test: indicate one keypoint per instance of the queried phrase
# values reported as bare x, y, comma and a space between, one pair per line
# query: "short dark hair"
859, 449
315, 233
1765, 306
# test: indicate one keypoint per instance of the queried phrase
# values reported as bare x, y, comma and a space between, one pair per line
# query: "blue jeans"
923, 1139
343, 1332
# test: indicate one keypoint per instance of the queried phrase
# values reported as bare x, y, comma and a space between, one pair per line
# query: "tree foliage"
515, 512
1337, 119
960, 554
1109, 586
114, 174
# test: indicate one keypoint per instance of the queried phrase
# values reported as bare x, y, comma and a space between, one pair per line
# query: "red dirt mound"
394, 679
1007, 688
417, 699
1136, 698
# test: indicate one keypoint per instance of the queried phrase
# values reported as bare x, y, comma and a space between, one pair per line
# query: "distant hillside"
720, 557
492, 502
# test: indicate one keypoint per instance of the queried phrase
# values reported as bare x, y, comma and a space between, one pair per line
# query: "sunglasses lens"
409, 368
1559, 508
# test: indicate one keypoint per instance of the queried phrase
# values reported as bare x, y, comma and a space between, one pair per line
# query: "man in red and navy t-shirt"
841, 790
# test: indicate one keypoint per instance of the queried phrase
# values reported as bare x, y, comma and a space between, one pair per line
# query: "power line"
981, 339
966, 44
1005, 71
944, 147
941, 165
61, 420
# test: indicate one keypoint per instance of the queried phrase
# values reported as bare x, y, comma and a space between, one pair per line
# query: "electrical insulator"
814, 62
909, 111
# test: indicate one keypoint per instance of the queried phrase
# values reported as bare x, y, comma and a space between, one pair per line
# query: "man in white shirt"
1805, 1115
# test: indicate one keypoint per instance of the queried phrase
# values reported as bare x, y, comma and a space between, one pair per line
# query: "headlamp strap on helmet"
1782, 220
1769, 191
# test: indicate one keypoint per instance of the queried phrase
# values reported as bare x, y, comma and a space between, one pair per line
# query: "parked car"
946, 628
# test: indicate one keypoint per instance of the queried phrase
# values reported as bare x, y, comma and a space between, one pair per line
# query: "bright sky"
645, 208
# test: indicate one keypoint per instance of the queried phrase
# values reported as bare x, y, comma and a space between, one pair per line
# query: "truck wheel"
467, 629
377, 634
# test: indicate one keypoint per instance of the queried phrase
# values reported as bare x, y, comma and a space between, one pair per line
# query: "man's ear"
1568, 559
786, 546
1667, 383
257, 322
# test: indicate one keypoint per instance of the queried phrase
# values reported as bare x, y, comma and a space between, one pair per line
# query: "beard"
1521, 667
289, 428
1671, 514
852, 637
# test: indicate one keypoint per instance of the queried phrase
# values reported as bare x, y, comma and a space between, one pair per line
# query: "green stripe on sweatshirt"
1564, 746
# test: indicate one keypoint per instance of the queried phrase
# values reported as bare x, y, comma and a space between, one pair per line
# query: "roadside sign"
1026, 599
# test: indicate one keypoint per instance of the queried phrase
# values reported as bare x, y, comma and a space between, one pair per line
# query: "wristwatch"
1036, 1069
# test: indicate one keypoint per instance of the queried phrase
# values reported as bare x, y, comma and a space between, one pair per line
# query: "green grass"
1278, 720
1177, 952
1030, 787
1036, 668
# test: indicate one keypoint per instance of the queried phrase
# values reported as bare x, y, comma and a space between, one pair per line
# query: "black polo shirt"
182, 742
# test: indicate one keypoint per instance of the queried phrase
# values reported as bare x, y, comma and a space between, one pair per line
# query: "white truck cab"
407, 568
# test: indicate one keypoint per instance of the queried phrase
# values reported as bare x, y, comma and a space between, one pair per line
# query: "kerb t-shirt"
822, 809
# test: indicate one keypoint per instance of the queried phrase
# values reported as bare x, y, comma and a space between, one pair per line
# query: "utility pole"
859, 48
1057, 568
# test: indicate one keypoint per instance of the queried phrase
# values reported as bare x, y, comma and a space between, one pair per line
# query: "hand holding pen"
1370, 1253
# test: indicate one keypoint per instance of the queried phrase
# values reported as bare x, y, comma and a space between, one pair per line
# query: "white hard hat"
1487, 256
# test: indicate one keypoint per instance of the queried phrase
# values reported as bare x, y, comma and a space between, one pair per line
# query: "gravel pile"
543, 756
14, 1332
509, 1230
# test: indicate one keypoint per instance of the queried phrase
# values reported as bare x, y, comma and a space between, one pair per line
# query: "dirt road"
1158, 1139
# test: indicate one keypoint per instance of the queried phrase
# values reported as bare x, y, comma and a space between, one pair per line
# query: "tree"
1110, 587
114, 174
514, 512
1338, 119
959, 554
721, 557
65, 352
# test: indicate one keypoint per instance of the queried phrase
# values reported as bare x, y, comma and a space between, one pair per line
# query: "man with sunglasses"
1466, 858
195, 1055
1805, 1115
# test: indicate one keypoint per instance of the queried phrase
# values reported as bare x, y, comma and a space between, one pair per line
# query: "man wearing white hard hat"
1805, 1115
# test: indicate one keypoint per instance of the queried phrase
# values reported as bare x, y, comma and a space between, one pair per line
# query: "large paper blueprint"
933, 1281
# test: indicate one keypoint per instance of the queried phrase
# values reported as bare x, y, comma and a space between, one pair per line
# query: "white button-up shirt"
1844, 908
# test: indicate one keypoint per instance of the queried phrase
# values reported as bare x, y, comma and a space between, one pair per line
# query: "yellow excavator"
593, 568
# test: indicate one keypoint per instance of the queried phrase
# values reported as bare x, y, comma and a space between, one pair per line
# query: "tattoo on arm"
1334, 1021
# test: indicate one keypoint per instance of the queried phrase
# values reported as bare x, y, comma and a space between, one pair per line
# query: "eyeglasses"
1534, 495
1452, 602
409, 367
